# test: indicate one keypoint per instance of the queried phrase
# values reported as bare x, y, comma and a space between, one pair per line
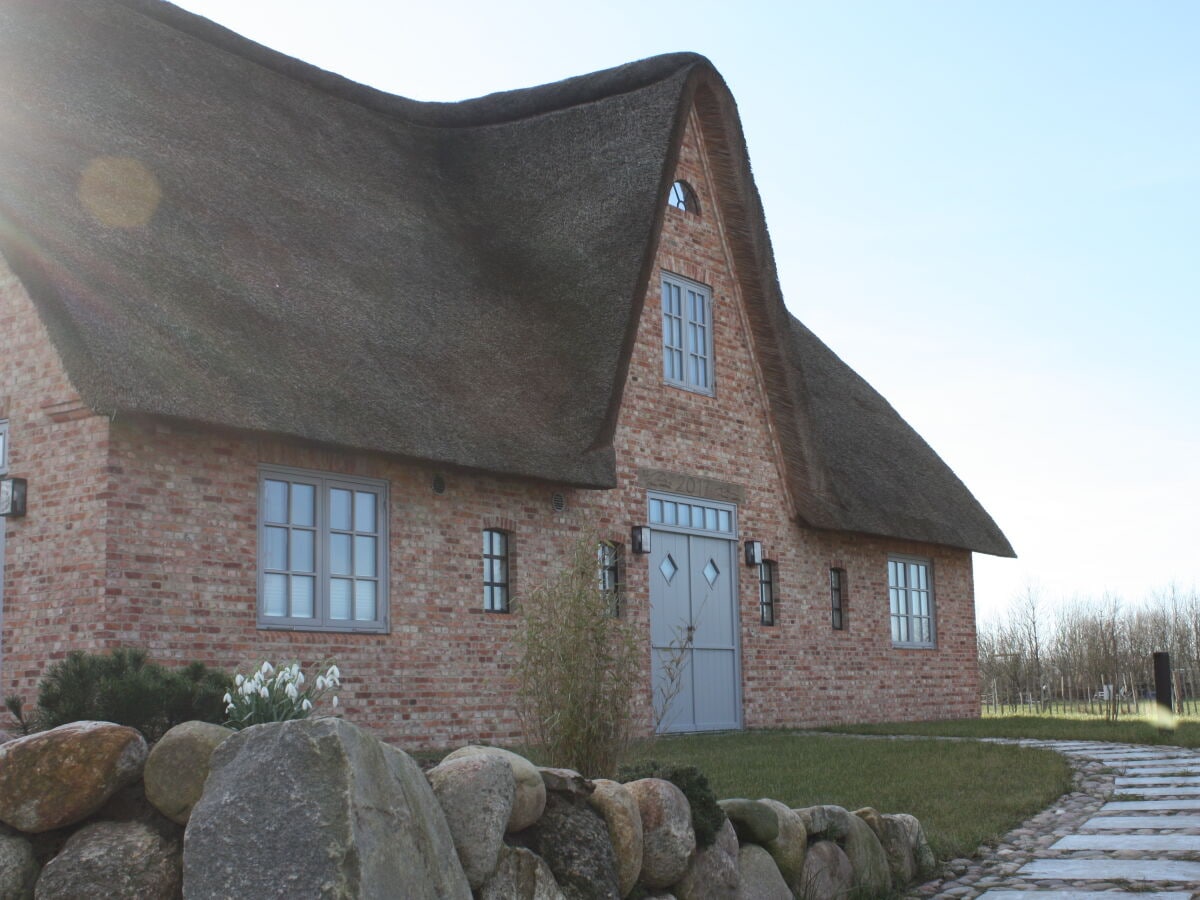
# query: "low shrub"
707, 815
578, 667
126, 688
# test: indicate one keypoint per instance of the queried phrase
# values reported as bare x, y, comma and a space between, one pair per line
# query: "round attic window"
683, 197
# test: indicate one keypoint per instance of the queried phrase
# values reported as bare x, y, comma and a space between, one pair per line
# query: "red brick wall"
179, 555
54, 556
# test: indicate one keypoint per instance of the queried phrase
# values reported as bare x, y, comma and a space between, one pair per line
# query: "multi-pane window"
837, 587
3, 446
697, 515
910, 592
687, 334
322, 554
682, 197
495, 570
766, 592
608, 560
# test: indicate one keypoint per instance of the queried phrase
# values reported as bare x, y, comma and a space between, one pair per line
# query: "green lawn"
963, 793
1073, 728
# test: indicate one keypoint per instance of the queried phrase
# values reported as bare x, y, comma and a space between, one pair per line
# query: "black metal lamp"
754, 555
639, 539
12, 497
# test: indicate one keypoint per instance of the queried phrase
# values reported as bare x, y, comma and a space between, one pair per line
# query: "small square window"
322, 551
766, 592
687, 334
837, 598
910, 596
495, 570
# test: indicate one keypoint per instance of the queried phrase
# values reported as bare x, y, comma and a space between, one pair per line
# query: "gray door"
693, 632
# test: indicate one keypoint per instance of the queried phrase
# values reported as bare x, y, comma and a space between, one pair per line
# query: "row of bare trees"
1090, 656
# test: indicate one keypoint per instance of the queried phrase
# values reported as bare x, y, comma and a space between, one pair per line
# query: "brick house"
295, 369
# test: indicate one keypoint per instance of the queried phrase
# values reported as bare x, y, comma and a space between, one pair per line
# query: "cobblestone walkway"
1130, 827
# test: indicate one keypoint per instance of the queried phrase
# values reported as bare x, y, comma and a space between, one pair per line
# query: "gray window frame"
503, 583
610, 561
323, 483
684, 343
768, 581
3, 446
682, 196
837, 598
903, 618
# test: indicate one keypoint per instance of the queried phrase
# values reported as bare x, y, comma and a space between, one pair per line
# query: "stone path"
1130, 828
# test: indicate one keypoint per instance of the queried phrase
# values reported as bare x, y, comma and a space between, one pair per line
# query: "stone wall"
319, 808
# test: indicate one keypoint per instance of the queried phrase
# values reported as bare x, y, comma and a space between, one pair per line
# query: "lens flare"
119, 191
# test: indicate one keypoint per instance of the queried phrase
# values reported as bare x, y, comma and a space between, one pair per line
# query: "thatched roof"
215, 232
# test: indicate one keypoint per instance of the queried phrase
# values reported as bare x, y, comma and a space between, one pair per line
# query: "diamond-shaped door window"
711, 572
668, 568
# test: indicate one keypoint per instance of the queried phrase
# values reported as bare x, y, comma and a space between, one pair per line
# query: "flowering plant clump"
276, 695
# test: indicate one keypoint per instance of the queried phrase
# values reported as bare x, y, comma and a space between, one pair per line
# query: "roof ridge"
490, 109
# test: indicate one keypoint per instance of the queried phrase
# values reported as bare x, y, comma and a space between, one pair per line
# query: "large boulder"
521, 875
476, 793
62, 776
318, 808
924, 862
620, 811
893, 837
754, 822
789, 847
18, 867
827, 873
531, 790
573, 840
826, 823
668, 840
178, 765
114, 860
872, 875
713, 873
760, 878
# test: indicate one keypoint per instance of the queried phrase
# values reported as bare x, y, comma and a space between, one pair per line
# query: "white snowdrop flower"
335, 700
238, 681
321, 683
306, 705
264, 693
267, 668
334, 674
227, 699
299, 678
291, 691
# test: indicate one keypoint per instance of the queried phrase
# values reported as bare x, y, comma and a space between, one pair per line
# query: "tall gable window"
910, 593
495, 570
322, 551
687, 334
682, 197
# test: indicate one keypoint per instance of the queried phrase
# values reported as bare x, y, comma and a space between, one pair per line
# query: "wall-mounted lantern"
754, 555
12, 497
639, 539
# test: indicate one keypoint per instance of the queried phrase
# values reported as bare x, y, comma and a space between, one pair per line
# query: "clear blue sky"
991, 210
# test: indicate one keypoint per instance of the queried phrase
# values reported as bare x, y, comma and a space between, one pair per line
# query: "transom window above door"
687, 334
689, 514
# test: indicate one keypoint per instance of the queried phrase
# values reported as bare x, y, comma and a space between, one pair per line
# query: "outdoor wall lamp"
639, 539
12, 497
754, 555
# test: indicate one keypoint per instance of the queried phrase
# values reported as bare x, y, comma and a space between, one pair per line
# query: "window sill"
326, 629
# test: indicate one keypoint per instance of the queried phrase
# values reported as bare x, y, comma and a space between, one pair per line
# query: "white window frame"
687, 334
323, 483
911, 605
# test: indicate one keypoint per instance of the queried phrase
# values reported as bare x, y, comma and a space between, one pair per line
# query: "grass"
963, 793
1071, 728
